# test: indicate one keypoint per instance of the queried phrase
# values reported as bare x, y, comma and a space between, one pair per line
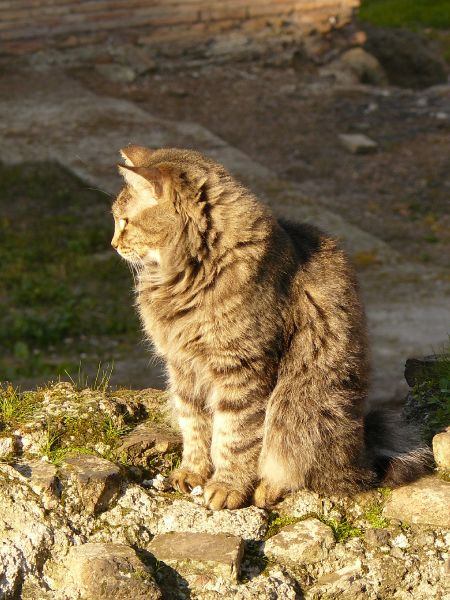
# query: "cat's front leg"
195, 424
238, 417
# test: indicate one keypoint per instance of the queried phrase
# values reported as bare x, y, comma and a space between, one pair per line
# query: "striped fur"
261, 327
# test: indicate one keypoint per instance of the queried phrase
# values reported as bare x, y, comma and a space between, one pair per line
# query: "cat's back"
324, 273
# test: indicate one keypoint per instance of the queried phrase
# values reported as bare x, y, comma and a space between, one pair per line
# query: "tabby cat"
262, 331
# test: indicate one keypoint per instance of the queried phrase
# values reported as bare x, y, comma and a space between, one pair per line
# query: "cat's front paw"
266, 494
219, 495
185, 480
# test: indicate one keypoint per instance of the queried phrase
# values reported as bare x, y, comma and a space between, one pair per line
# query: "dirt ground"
290, 119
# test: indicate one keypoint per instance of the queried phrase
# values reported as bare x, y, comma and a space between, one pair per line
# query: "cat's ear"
147, 182
136, 156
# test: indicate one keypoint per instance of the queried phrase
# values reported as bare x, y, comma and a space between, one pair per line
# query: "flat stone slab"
424, 502
250, 523
102, 571
304, 542
148, 439
441, 449
346, 583
189, 553
357, 143
98, 480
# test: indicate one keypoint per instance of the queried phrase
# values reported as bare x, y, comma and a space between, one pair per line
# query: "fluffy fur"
262, 330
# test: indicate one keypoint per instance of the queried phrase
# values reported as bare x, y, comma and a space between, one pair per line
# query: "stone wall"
29, 25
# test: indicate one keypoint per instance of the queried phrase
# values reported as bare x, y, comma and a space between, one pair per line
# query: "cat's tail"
394, 449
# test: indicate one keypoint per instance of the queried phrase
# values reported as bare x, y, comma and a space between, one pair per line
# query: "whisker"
102, 191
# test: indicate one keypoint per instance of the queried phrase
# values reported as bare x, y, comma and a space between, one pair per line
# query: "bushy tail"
394, 449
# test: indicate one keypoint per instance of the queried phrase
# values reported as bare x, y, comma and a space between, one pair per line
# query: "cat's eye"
122, 224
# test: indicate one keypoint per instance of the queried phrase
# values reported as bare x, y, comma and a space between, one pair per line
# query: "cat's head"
161, 209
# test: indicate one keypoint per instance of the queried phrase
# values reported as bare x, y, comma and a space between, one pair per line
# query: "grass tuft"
99, 383
15, 406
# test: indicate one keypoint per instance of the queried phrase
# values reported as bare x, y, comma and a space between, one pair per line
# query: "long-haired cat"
261, 327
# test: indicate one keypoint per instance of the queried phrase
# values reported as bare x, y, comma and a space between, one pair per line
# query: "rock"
98, 481
365, 66
26, 537
7, 447
304, 542
357, 143
42, 477
146, 441
138, 59
424, 502
377, 537
400, 541
441, 449
116, 73
301, 503
96, 571
248, 523
345, 584
199, 552
406, 57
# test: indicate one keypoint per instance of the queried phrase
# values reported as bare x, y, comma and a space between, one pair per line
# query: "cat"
263, 333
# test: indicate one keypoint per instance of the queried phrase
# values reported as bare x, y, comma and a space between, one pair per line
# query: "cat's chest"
186, 335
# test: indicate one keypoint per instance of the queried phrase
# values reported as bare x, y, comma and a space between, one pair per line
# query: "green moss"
277, 522
342, 530
385, 492
374, 516
406, 13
